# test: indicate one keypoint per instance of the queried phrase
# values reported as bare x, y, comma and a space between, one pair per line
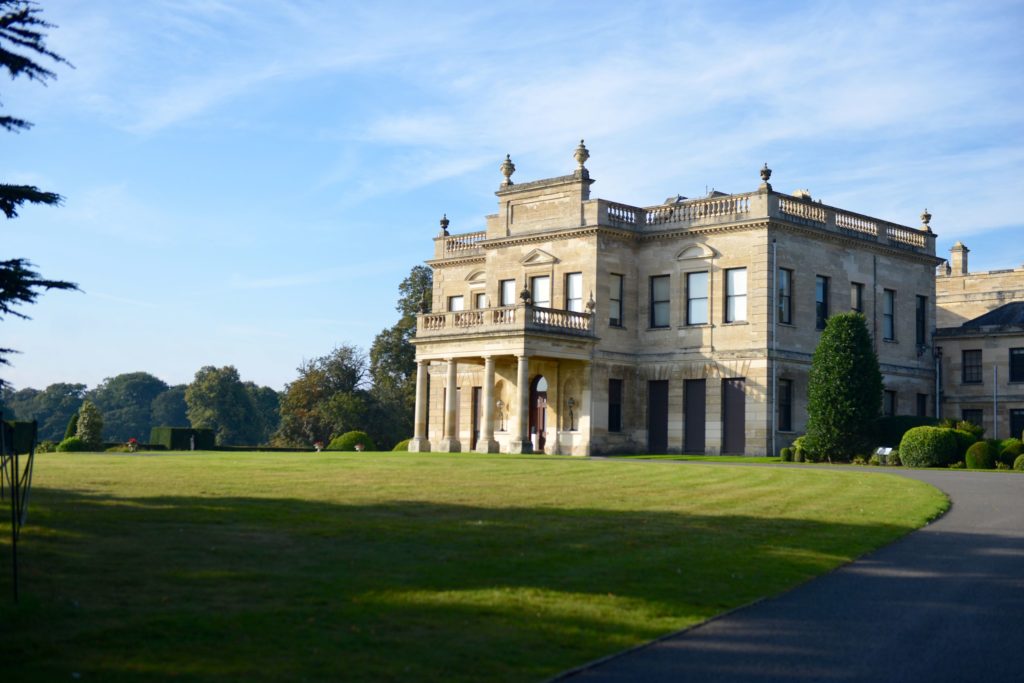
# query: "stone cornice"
456, 261
847, 240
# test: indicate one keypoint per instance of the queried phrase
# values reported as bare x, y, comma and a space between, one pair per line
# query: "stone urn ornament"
507, 169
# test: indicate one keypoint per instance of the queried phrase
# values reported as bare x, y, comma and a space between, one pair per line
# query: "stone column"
487, 444
420, 442
450, 442
521, 438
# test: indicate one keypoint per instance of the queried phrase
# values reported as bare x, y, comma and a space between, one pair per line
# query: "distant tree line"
345, 390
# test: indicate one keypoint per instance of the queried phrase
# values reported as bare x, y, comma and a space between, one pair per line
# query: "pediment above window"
695, 250
538, 257
477, 277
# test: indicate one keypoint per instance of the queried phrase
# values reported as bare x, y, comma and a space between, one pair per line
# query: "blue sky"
247, 182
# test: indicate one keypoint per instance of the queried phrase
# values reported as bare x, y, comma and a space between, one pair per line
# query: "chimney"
958, 258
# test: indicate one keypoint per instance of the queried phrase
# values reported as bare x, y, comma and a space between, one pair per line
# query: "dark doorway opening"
734, 411
657, 416
694, 415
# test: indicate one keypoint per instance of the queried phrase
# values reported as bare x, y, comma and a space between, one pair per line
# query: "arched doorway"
538, 412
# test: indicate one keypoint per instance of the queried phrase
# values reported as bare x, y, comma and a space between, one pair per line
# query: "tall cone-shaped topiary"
90, 424
844, 392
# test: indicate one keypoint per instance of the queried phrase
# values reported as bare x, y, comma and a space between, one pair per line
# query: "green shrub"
861, 460
1018, 464
894, 459
72, 428
786, 454
349, 440
804, 447
977, 430
927, 447
402, 445
72, 444
958, 465
1002, 465
844, 388
90, 425
981, 456
1009, 449
964, 440
46, 446
888, 431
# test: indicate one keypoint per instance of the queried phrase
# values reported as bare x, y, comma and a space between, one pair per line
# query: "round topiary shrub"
927, 447
402, 445
1010, 450
798, 455
72, 444
1018, 464
980, 456
786, 454
352, 441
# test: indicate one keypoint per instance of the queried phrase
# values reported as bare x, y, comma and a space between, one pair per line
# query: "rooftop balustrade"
702, 212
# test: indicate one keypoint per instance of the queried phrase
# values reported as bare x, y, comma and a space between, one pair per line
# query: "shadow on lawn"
210, 588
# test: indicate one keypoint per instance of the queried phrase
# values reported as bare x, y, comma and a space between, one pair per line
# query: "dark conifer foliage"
844, 392
22, 42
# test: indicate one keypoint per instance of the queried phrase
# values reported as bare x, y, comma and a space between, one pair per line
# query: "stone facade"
581, 326
981, 337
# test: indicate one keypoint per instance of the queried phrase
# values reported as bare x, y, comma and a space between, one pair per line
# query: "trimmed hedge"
262, 449
1018, 464
72, 444
928, 447
348, 441
786, 454
981, 456
402, 445
1009, 450
180, 438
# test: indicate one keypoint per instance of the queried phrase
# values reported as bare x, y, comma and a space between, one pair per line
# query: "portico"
496, 405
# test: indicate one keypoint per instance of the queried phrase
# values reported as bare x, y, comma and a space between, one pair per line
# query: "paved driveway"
945, 603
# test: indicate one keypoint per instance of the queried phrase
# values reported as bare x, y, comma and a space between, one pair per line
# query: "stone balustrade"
803, 210
702, 208
519, 318
708, 211
457, 245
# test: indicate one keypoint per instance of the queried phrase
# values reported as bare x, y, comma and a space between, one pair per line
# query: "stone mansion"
582, 326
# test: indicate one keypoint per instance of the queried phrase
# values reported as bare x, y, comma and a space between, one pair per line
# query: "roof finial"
766, 173
507, 169
444, 225
926, 218
581, 155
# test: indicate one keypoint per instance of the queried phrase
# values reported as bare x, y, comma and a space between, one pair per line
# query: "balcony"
504, 320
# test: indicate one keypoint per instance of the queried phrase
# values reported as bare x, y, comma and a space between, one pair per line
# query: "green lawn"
274, 567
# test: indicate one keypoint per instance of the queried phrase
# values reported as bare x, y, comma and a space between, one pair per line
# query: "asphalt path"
945, 603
